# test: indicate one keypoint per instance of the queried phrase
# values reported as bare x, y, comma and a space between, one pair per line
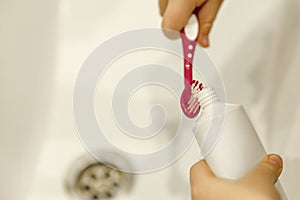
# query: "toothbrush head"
189, 101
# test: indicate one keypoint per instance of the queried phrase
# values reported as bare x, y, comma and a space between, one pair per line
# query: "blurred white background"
254, 43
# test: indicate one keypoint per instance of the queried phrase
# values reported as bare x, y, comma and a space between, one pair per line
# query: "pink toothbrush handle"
189, 104
188, 51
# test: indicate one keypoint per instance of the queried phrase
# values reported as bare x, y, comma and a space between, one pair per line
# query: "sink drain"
89, 179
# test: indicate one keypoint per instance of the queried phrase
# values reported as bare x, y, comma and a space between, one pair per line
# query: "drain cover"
89, 179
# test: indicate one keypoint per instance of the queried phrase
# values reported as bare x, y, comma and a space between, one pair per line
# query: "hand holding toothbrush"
176, 14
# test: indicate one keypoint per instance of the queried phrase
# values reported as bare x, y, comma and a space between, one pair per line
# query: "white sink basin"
43, 45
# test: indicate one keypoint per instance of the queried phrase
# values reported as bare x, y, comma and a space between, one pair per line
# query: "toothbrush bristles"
191, 103
194, 107
189, 99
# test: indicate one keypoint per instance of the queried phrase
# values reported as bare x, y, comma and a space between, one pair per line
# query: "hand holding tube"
258, 184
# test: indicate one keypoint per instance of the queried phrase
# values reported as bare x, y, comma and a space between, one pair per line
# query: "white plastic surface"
192, 28
238, 149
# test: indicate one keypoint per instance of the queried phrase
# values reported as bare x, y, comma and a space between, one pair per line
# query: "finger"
162, 6
178, 12
201, 178
267, 171
207, 16
199, 171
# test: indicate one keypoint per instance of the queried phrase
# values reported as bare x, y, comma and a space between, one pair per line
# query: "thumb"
267, 171
200, 171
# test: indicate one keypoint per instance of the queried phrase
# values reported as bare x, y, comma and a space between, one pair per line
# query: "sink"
44, 45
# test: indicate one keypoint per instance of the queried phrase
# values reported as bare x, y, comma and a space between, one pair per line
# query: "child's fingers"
162, 6
178, 12
200, 170
206, 17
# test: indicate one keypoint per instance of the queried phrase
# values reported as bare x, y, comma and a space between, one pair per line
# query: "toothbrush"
189, 35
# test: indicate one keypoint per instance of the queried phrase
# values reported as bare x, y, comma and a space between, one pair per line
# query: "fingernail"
171, 34
275, 160
204, 40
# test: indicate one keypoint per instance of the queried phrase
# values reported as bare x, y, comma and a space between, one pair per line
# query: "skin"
176, 13
258, 184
